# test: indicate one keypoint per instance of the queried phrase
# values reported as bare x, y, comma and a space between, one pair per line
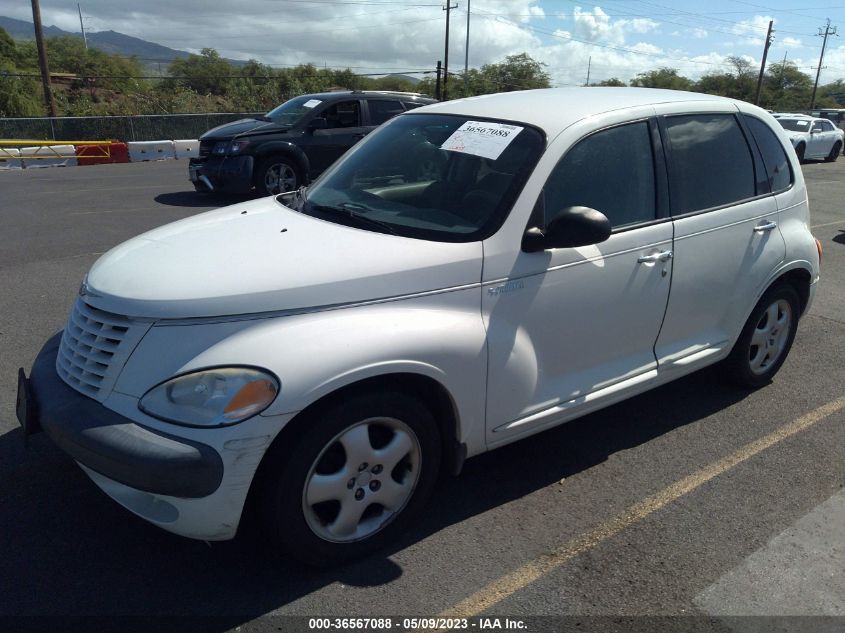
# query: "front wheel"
766, 338
356, 478
800, 152
276, 174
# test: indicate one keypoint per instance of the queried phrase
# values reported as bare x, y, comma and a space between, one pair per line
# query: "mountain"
112, 42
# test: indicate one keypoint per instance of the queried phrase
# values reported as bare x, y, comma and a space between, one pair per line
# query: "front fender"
439, 336
293, 150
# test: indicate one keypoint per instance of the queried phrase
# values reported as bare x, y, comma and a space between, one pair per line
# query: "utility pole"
437, 82
827, 31
42, 59
448, 9
589, 63
82, 26
763, 64
466, 57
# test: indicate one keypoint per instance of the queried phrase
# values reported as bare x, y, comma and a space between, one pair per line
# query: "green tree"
786, 88
662, 78
612, 82
206, 73
515, 72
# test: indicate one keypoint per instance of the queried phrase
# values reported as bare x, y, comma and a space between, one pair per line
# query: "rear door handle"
765, 226
662, 256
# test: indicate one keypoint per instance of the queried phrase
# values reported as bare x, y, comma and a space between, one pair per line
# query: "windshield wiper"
351, 211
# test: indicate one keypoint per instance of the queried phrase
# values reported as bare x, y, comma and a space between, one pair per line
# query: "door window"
710, 163
381, 110
611, 171
343, 114
774, 157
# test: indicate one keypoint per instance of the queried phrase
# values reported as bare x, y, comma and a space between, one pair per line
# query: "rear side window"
343, 114
381, 110
774, 156
710, 163
611, 171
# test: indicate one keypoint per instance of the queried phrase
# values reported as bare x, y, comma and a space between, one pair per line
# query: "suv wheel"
765, 340
354, 480
277, 174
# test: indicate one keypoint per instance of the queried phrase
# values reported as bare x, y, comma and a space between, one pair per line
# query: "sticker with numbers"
482, 138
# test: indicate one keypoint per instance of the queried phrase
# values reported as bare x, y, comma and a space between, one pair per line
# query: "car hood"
242, 126
260, 256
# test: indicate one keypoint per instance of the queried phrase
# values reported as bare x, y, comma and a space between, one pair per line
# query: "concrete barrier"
102, 153
49, 156
187, 148
151, 150
9, 158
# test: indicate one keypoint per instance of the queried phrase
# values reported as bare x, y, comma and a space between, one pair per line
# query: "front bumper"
231, 174
112, 445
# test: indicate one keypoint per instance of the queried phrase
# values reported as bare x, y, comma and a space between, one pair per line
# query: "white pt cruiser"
471, 273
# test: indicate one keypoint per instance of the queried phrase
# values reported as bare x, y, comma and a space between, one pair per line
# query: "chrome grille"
94, 348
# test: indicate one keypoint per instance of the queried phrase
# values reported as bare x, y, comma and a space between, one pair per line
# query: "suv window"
611, 171
775, 159
710, 163
343, 114
381, 110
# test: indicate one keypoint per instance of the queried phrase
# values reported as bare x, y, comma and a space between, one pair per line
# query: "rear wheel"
834, 153
767, 337
276, 174
354, 480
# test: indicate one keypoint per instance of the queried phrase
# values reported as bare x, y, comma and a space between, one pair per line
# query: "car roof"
344, 94
555, 109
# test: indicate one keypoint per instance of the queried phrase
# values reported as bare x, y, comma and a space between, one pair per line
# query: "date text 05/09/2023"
416, 624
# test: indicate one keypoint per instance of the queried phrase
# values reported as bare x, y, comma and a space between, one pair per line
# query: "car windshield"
795, 125
437, 177
290, 112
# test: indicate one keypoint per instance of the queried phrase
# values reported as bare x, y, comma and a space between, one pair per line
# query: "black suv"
294, 143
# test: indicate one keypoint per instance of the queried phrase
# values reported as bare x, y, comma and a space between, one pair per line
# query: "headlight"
211, 397
237, 146
219, 148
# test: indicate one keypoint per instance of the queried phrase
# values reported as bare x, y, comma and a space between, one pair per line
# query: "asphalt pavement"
684, 507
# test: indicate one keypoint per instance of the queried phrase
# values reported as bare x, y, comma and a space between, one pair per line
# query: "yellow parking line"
518, 579
818, 226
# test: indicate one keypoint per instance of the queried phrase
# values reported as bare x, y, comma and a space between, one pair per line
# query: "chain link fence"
144, 127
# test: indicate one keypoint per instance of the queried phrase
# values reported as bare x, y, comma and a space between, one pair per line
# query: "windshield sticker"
312, 103
801, 123
482, 138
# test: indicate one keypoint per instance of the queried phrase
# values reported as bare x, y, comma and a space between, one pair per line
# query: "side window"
710, 163
410, 105
382, 110
827, 126
774, 156
611, 171
343, 114
817, 126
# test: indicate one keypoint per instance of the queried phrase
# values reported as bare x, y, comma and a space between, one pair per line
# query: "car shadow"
198, 199
67, 550
840, 239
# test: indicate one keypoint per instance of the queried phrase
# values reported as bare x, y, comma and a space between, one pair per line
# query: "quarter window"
710, 163
774, 157
611, 171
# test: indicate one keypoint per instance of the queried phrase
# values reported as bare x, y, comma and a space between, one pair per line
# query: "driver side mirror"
571, 227
317, 123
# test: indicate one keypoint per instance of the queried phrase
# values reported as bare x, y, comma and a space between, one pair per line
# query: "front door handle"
765, 226
662, 256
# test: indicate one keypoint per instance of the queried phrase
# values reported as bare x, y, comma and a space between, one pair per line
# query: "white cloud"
699, 34
792, 42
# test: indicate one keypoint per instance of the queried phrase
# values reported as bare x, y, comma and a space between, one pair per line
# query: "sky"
615, 38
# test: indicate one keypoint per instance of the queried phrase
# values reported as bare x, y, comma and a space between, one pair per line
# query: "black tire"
800, 152
316, 533
276, 174
834, 153
764, 343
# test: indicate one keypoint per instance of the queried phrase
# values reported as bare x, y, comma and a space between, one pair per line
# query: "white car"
471, 273
813, 138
